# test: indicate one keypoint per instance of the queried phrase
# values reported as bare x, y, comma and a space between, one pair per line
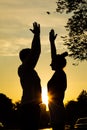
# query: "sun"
45, 96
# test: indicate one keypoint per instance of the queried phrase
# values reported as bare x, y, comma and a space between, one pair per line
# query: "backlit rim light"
44, 96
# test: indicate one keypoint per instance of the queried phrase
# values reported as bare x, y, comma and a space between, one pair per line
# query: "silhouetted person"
57, 86
30, 82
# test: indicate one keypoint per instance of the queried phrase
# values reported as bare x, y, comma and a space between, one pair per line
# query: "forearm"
36, 47
53, 49
35, 50
52, 37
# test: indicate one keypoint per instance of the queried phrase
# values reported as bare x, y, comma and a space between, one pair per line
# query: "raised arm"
35, 47
52, 37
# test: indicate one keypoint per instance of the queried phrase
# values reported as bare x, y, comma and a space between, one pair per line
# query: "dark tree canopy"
82, 97
76, 40
76, 109
6, 108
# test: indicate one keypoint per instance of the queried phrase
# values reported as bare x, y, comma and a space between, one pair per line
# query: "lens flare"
45, 96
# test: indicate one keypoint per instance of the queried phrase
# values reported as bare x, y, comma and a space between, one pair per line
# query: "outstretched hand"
36, 28
52, 35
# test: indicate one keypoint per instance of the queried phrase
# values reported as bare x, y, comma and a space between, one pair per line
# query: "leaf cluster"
76, 26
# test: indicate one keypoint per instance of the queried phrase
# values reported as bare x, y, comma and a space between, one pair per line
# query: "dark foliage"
76, 40
76, 109
6, 108
9, 112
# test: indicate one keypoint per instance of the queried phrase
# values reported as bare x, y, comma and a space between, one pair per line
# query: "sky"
16, 18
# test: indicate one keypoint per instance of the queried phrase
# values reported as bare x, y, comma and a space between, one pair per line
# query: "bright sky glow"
16, 18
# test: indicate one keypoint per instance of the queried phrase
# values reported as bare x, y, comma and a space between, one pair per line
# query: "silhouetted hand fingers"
55, 36
52, 35
36, 28
31, 30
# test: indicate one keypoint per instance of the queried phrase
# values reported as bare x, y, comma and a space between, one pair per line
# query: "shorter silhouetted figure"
30, 82
57, 86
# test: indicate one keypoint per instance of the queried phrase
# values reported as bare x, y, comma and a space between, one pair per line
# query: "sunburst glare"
45, 96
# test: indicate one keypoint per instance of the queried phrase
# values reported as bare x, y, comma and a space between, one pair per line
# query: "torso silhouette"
30, 82
57, 85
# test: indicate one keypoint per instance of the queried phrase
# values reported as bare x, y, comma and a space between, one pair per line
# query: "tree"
76, 109
82, 98
6, 110
9, 112
76, 41
82, 103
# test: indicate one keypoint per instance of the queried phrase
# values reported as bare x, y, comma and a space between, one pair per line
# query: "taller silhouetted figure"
57, 86
30, 82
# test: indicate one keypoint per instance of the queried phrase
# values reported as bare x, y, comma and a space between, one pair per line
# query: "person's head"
59, 62
24, 53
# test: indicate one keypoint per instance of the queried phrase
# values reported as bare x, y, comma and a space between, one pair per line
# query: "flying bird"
48, 12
